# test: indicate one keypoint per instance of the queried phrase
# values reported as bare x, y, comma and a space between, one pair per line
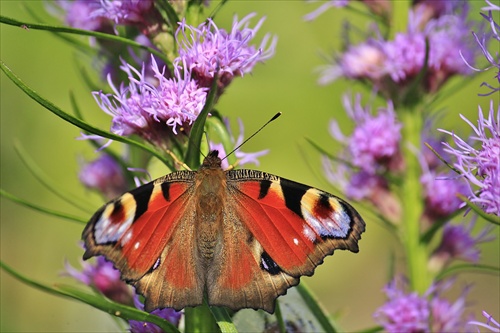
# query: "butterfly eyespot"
268, 264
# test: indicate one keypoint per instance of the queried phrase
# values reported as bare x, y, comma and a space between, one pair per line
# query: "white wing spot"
296, 241
308, 233
126, 238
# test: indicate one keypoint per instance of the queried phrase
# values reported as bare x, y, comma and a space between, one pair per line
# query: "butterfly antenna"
276, 116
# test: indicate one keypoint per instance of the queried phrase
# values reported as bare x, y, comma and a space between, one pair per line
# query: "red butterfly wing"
276, 230
148, 234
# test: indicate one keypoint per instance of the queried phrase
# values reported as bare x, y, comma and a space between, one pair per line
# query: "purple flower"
208, 49
242, 158
105, 175
481, 166
440, 192
141, 13
491, 324
457, 243
80, 15
103, 277
410, 312
437, 8
361, 185
391, 65
365, 60
144, 327
380, 7
493, 60
405, 55
403, 312
153, 111
446, 35
324, 7
374, 144
446, 316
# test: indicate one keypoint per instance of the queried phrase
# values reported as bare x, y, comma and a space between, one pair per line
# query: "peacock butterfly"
240, 237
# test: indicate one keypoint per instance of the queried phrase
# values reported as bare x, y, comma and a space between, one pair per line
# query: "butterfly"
240, 238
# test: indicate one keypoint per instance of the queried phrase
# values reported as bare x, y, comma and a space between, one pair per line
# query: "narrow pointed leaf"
313, 305
476, 268
73, 120
223, 320
48, 211
101, 35
192, 158
488, 217
95, 300
50, 184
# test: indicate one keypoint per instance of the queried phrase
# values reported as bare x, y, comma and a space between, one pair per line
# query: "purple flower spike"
144, 327
441, 194
153, 111
447, 316
365, 60
410, 312
457, 243
494, 60
80, 15
481, 166
206, 49
103, 277
105, 175
403, 312
375, 141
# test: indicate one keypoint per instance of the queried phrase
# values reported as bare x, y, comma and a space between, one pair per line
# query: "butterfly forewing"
142, 234
296, 225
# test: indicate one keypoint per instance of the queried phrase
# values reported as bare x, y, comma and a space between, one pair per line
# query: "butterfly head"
212, 161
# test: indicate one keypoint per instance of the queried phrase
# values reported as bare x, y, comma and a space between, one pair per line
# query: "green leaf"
75, 121
427, 237
51, 185
48, 211
279, 317
101, 35
216, 10
488, 217
374, 329
216, 124
170, 15
95, 300
322, 151
313, 305
442, 159
199, 319
484, 269
223, 320
128, 175
192, 158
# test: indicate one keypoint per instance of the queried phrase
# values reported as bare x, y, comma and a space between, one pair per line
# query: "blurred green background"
348, 285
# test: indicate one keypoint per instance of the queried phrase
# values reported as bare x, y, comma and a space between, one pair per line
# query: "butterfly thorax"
210, 185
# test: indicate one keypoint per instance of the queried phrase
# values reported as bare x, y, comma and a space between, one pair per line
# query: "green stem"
416, 254
199, 319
